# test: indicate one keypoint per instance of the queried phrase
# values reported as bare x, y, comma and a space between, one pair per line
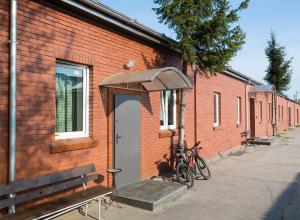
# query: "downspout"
12, 95
272, 121
195, 107
276, 112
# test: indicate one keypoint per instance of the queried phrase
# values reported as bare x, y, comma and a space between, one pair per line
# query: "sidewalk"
260, 183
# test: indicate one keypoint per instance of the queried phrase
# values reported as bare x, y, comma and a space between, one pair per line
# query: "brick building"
73, 46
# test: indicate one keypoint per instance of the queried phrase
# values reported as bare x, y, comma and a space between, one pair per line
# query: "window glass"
216, 109
70, 99
239, 111
168, 109
171, 102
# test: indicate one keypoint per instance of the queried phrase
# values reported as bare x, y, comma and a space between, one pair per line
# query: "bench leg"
99, 206
86, 210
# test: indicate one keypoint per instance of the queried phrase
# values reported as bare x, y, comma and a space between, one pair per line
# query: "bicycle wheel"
184, 175
203, 167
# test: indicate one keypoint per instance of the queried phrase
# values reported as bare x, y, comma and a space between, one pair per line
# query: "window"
217, 112
260, 111
168, 110
71, 101
282, 112
297, 116
270, 111
239, 110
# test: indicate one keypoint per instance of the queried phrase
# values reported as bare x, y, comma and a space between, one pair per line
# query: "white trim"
217, 107
85, 86
165, 107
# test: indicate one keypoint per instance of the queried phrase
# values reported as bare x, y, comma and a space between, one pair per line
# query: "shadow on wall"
158, 62
36, 95
166, 166
287, 204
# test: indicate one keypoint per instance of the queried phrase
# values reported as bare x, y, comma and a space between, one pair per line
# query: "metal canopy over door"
127, 139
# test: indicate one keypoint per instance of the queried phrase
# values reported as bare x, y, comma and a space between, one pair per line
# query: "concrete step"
262, 141
149, 194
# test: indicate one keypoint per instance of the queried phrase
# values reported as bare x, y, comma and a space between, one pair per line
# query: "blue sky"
258, 20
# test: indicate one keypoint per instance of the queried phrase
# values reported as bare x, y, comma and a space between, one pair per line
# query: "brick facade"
47, 35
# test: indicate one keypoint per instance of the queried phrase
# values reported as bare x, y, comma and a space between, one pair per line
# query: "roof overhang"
168, 78
105, 14
262, 89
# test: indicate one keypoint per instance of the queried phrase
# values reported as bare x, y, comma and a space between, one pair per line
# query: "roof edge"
287, 98
240, 76
123, 22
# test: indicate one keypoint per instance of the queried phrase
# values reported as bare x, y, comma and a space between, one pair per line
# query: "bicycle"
201, 164
190, 165
184, 167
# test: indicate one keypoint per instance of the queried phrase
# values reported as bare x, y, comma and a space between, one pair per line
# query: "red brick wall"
46, 35
263, 126
283, 120
228, 134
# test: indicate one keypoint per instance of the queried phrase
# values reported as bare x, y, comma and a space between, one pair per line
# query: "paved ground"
260, 183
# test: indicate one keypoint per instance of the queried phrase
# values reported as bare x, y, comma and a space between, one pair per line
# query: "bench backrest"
36, 187
246, 133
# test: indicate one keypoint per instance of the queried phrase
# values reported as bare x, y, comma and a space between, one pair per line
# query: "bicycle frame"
182, 156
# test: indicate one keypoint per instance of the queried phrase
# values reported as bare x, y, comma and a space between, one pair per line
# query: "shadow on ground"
287, 205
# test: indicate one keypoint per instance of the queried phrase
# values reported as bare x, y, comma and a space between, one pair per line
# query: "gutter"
112, 17
240, 76
105, 9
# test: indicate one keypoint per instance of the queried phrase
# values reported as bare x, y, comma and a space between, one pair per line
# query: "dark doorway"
252, 117
127, 138
290, 116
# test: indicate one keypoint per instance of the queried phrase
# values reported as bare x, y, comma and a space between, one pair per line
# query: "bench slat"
21, 185
57, 204
46, 191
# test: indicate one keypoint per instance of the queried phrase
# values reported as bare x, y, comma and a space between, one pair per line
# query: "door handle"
117, 138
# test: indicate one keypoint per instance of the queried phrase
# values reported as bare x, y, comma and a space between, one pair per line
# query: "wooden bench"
38, 187
248, 141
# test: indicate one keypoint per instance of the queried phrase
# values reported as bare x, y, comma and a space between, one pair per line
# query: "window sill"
66, 145
168, 133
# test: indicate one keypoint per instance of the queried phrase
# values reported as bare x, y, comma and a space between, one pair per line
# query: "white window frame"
85, 120
217, 107
165, 107
239, 100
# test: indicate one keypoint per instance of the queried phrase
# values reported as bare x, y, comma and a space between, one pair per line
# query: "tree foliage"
279, 71
206, 36
205, 30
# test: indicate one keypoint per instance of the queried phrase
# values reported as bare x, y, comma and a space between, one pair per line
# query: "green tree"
279, 71
207, 35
